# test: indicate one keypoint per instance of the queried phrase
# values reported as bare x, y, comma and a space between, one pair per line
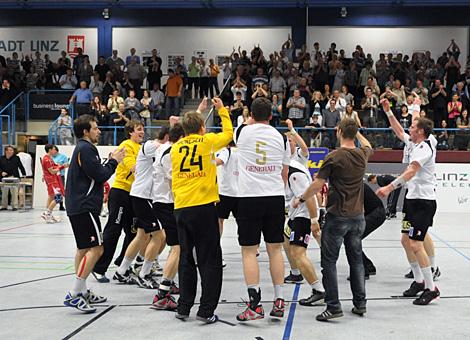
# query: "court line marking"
451, 246
89, 322
35, 280
290, 318
18, 227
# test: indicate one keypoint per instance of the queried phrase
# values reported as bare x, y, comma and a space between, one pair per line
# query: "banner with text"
315, 159
47, 105
49, 40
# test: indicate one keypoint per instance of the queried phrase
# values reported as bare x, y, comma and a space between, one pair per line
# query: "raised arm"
394, 124
296, 137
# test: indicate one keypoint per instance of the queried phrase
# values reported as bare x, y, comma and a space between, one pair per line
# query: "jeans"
336, 230
172, 107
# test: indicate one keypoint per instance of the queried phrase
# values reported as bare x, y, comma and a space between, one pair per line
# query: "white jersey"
262, 153
227, 173
298, 181
409, 146
142, 185
423, 184
162, 192
299, 157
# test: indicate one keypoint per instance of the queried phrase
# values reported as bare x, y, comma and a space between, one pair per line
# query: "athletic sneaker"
427, 296
359, 310
291, 278
164, 303
156, 266
414, 289
147, 282
251, 314
139, 262
278, 309
101, 278
316, 298
79, 302
174, 289
410, 275
127, 278
182, 317
92, 298
211, 319
44, 215
435, 273
327, 315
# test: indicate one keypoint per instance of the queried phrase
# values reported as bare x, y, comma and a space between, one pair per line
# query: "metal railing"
10, 111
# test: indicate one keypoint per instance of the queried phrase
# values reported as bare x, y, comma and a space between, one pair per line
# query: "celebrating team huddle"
169, 192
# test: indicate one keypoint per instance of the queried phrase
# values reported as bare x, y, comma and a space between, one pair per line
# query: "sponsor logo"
74, 42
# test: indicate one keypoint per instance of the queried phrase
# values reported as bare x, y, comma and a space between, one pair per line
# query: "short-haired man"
9, 166
263, 158
119, 204
195, 192
84, 188
55, 187
345, 168
82, 97
420, 205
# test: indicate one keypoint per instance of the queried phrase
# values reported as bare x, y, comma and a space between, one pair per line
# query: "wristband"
398, 183
314, 219
389, 113
293, 132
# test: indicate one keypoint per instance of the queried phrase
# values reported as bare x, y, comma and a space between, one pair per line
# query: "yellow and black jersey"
124, 176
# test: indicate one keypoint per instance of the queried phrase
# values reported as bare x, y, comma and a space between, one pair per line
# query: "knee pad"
58, 198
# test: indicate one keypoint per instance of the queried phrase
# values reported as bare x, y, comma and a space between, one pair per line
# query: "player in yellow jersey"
195, 192
119, 204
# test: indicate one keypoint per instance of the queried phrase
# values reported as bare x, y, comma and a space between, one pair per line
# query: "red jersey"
50, 179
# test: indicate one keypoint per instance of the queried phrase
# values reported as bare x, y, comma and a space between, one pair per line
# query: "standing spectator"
102, 68
109, 86
115, 60
119, 120
7, 93
155, 73
399, 92
462, 137
340, 103
193, 77
454, 108
137, 75
317, 105
82, 97
114, 101
351, 114
226, 69
68, 81
64, 128
146, 110
365, 74
443, 137
239, 86
132, 56
95, 106
174, 88
96, 85
103, 121
39, 63
296, 106
61, 160
133, 106
331, 119
370, 106
452, 72
204, 75
439, 102
276, 111
64, 59
158, 99
346, 95
278, 85
26, 63
213, 79
9, 166
78, 59
345, 222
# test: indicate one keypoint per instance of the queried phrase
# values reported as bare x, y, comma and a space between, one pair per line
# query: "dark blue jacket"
85, 179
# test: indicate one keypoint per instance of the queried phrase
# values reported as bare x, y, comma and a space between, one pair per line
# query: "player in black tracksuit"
392, 199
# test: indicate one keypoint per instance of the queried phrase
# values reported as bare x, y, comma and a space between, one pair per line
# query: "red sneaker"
249, 314
165, 303
278, 309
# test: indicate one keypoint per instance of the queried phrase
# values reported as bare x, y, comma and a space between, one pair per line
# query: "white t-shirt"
423, 184
407, 149
299, 157
27, 162
227, 173
162, 175
262, 152
142, 185
298, 182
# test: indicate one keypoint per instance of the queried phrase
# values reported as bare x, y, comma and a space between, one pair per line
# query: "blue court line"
450, 246
290, 319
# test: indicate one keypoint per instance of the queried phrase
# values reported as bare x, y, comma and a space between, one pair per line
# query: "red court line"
17, 227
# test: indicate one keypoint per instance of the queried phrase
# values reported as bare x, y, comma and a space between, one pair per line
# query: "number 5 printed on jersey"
262, 160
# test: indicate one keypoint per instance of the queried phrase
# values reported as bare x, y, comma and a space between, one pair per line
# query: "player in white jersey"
227, 180
302, 221
145, 220
263, 164
420, 205
163, 206
298, 148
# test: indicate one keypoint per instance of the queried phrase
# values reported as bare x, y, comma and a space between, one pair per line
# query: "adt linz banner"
316, 157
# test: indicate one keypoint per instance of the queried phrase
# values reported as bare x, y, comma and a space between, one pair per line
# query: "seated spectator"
32, 79
10, 166
64, 128
119, 120
276, 111
95, 106
442, 137
103, 119
351, 114
82, 97
68, 81
422, 93
296, 106
340, 103
399, 92
260, 91
146, 111
317, 105
114, 101
133, 106
109, 86
243, 118
236, 109
174, 90
315, 137
346, 95
454, 108
260, 78
158, 99
462, 137
96, 85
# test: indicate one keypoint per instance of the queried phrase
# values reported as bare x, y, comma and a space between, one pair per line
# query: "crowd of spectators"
314, 88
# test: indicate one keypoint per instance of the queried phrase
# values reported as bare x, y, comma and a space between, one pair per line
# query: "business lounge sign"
48, 40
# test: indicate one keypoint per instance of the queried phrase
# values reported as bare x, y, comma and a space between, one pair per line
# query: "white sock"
317, 286
146, 267
125, 264
295, 271
418, 276
433, 261
278, 292
428, 281
79, 286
